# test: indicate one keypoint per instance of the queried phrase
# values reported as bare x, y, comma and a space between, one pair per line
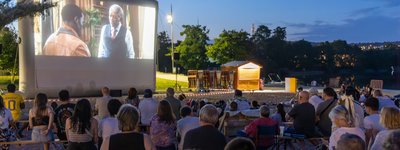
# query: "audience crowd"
348, 119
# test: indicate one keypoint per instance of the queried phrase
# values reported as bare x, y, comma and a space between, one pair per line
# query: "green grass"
163, 84
5, 80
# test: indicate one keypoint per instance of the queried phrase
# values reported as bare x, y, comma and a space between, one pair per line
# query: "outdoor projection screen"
112, 45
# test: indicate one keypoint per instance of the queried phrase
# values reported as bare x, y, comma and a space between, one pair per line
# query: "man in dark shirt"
330, 101
205, 137
303, 115
62, 113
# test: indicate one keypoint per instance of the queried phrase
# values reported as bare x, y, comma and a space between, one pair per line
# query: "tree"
231, 45
193, 48
279, 33
7, 57
164, 54
10, 12
261, 35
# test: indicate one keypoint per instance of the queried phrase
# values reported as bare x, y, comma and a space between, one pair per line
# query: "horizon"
358, 21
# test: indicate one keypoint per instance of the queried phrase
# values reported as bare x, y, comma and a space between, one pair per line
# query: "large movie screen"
98, 29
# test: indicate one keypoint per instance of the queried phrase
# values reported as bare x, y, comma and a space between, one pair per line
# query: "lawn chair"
265, 137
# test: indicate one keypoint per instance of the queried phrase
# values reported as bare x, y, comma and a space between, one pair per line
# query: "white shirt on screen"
103, 52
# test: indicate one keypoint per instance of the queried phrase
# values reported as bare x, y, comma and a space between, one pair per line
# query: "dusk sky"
312, 20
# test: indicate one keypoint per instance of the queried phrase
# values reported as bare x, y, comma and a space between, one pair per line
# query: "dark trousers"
81, 146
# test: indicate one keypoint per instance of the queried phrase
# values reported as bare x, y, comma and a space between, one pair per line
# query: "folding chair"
265, 137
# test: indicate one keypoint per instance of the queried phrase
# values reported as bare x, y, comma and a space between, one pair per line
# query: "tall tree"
279, 33
193, 48
229, 46
164, 54
7, 57
10, 12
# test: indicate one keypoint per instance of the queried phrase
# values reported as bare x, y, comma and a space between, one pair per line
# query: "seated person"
254, 105
242, 102
303, 115
240, 143
350, 141
264, 120
233, 106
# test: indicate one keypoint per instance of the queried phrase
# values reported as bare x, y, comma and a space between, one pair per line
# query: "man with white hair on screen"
116, 40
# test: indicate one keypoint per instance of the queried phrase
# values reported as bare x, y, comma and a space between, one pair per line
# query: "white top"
103, 52
108, 126
5, 118
380, 139
184, 125
335, 136
147, 108
101, 106
243, 104
315, 101
372, 122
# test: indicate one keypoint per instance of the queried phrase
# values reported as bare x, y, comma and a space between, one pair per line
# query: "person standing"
116, 40
323, 122
66, 41
175, 103
62, 113
101, 104
5, 120
41, 119
148, 107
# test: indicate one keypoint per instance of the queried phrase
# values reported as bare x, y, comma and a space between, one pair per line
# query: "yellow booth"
244, 75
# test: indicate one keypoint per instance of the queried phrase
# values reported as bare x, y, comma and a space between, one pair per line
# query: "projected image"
100, 29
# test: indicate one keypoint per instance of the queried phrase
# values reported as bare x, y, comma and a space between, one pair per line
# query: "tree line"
270, 49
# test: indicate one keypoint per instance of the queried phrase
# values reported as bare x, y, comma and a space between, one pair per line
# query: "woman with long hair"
5, 120
41, 118
163, 127
279, 115
81, 128
133, 97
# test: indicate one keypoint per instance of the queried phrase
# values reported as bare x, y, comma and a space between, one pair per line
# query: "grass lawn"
163, 84
5, 80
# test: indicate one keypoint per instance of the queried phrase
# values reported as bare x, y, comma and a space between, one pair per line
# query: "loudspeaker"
116, 93
176, 56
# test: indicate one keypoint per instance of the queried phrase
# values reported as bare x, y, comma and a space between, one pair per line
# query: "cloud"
365, 29
366, 11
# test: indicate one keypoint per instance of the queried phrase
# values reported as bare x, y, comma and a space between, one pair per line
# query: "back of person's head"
105, 91
299, 89
148, 93
281, 110
313, 91
132, 93
170, 92
392, 142
330, 92
209, 114
240, 143
164, 112
11, 88
377, 93
304, 96
233, 106
255, 104
350, 142
70, 12
40, 104
113, 106
185, 111
63, 95
202, 103
264, 111
81, 117
238, 93
372, 103
341, 113
390, 118
54, 105
349, 91
128, 118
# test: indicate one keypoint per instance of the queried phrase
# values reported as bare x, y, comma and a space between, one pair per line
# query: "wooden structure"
209, 79
245, 74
